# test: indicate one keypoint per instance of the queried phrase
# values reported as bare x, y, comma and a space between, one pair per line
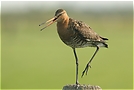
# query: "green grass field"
39, 60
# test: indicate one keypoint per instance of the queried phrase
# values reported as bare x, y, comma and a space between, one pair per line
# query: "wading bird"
76, 34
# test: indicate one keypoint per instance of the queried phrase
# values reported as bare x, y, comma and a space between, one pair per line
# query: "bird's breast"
64, 33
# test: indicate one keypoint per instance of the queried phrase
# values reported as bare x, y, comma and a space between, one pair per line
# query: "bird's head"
60, 15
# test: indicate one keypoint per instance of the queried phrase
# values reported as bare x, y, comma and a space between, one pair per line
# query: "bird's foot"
77, 85
86, 69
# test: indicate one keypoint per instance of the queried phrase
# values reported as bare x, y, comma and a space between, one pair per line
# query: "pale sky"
23, 6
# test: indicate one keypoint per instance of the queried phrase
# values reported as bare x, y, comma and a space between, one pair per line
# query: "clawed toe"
86, 70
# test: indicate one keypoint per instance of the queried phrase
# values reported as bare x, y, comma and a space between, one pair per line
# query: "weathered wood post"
81, 87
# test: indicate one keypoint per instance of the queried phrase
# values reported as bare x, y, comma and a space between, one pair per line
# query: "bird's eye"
59, 14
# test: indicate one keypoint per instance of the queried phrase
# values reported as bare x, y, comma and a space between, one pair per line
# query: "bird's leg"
88, 64
76, 66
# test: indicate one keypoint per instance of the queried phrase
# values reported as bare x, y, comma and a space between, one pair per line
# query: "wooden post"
81, 87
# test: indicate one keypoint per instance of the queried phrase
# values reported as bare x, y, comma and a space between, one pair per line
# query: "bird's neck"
62, 29
64, 22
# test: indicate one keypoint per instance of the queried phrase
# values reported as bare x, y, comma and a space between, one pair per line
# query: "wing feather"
86, 32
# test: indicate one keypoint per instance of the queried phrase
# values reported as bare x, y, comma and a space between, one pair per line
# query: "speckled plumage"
81, 35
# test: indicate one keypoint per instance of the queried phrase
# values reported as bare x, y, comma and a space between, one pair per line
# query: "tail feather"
103, 38
104, 43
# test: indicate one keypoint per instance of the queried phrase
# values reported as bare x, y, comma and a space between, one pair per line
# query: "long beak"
51, 21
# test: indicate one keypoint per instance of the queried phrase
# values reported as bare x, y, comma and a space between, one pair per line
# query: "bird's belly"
75, 41
78, 44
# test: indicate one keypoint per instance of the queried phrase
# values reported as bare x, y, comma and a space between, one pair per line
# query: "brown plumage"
76, 34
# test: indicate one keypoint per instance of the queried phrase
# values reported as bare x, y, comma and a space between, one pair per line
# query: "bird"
76, 34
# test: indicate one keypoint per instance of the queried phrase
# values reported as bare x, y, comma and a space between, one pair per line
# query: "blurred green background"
31, 59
